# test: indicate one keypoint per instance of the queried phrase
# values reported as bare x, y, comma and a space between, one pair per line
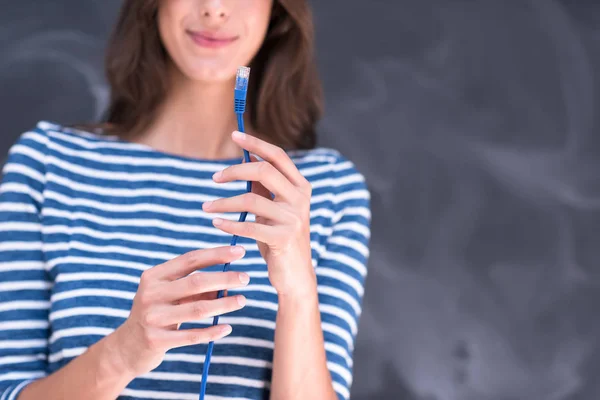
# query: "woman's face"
209, 39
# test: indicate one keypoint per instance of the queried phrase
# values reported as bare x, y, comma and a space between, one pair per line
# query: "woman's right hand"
167, 296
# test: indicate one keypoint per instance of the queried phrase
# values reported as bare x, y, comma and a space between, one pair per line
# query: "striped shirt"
82, 215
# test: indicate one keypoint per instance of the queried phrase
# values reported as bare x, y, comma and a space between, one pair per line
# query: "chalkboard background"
474, 122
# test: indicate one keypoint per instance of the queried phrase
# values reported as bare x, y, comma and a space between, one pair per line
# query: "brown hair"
285, 96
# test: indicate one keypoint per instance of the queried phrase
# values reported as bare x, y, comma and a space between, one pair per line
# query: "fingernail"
237, 250
217, 175
239, 135
226, 329
244, 278
241, 300
207, 203
217, 221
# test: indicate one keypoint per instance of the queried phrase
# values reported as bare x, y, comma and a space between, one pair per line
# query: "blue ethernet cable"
241, 88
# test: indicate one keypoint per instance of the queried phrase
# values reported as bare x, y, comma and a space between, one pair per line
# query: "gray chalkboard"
475, 124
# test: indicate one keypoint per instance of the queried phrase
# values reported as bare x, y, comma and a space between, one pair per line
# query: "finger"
201, 296
258, 187
187, 337
263, 172
198, 297
203, 283
274, 154
250, 202
189, 262
253, 230
170, 315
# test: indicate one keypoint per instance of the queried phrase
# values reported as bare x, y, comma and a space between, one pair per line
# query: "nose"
214, 10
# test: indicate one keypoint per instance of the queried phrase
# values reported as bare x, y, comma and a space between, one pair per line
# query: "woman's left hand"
282, 227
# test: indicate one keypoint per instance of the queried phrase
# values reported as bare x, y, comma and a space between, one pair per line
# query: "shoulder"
33, 148
64, 136
68, 148
33, 139
334, 177
29, 150
327, 163
24, 170
45, 136
48, 146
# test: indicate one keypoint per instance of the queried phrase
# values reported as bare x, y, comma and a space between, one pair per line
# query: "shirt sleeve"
341, 270
24, 282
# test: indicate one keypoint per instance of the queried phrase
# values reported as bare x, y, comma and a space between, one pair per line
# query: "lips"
211, 39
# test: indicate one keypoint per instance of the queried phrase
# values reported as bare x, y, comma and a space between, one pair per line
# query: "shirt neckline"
146, 148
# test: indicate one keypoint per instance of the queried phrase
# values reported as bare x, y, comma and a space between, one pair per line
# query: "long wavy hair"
285, 98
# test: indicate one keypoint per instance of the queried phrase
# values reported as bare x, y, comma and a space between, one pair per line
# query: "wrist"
115, 347
301, 287
300, 296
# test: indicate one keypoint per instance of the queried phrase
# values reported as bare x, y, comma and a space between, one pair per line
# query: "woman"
110, 255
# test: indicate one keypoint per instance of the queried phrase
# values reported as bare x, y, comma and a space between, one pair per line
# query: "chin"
212, 70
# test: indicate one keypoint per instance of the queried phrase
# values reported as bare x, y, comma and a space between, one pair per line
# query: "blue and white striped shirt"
82, 215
